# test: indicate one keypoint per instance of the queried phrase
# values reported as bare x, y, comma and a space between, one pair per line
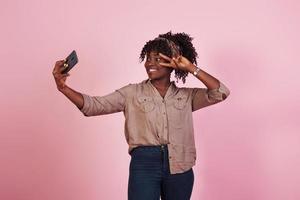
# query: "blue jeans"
150, 178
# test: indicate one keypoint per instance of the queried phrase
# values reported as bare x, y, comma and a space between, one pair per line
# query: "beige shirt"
151, 119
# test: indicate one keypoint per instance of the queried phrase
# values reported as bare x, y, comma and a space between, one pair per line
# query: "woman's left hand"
180, 62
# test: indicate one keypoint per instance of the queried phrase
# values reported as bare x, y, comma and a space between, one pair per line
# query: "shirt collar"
172, 86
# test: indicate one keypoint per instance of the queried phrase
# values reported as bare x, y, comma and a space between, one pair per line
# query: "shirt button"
164, 113
163, 101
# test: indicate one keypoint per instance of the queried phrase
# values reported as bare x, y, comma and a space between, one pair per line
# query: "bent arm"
215, 92
208, 80
202, 97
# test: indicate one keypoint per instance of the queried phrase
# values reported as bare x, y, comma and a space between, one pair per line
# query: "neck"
161, 83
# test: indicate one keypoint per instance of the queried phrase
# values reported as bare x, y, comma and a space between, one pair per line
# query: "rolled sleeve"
202, 97
218, 94
101, 105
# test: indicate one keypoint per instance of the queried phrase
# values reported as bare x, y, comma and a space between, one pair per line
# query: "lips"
152, 69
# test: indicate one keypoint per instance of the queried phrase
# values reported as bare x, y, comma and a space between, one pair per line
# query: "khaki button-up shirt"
151, 119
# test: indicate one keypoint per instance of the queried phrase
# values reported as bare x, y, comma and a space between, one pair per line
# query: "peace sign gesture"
180, 62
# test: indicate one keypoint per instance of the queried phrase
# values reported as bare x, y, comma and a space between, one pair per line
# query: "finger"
176, 58
62, 76
65, 75
61, 69
56, 71
56, 75
175, 61
59, 62
59, 76
57, 66
165, 57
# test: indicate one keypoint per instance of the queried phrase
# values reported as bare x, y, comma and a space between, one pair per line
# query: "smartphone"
70, 62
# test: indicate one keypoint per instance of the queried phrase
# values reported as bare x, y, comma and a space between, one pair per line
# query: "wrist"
62, 89
194, 70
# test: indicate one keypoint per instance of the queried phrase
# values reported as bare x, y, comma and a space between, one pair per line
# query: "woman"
158, 117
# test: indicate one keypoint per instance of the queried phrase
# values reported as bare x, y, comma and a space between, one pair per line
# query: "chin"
155, 78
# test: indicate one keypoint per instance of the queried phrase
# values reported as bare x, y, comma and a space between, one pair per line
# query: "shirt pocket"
180, 102
179, 111
145, 103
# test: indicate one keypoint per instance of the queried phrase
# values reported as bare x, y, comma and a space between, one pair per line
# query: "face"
153, 69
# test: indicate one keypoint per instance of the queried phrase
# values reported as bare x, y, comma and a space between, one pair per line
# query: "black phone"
70, 62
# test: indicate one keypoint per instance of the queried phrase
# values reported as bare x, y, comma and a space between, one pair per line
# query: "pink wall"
247, 146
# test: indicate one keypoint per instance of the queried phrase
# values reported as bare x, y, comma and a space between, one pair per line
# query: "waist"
151, 148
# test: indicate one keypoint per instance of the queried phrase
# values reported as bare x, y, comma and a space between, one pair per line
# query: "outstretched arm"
89, 105
60, 80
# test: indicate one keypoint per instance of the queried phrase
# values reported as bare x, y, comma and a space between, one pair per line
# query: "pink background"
247, 146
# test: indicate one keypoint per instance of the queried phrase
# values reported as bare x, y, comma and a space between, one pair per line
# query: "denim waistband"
151, 148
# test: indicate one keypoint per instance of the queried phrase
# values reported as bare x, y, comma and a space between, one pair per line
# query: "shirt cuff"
219, 94
86, 102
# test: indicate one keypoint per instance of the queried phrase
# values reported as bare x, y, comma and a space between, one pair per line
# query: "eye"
157, 59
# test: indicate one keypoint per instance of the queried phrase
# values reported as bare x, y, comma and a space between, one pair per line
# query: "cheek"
166, 70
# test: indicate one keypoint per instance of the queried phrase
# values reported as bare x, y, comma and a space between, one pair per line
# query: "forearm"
208, 80
217, 91
74, 96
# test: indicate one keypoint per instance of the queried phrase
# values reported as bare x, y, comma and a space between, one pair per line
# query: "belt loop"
163, 147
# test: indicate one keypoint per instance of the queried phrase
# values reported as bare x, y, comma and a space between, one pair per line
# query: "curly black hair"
183, 40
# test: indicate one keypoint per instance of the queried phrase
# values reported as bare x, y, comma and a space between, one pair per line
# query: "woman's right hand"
59, 78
